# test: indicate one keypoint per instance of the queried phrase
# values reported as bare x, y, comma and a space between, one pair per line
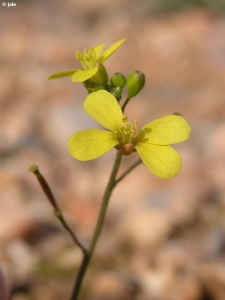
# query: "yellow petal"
83, 75
90, 144
104, 109
163, 161
98, 49
62, 74
171, 129
109, 51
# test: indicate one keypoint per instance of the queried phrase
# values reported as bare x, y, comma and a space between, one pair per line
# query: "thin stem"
105, 201
60, 217
98, 228
125, 104
57, 211
137, 163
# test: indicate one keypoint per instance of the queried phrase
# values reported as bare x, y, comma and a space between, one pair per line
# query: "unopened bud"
118, 80
117, 92
100, 77
135, 83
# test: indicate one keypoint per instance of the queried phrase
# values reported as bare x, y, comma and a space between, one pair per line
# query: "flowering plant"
152, 142
92, 61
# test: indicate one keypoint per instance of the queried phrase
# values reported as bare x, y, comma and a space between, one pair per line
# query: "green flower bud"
101, 77
118, 80
135, 83
117, 92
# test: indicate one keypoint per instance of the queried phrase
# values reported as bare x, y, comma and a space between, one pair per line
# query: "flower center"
88, 58
127, 132
125, 137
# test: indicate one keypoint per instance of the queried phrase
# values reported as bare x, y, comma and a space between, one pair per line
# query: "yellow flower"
151, 143
90, 60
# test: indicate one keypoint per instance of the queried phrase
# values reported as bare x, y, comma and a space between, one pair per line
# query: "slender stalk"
125, 104
137, 163
98, 228
60, 217
57, 211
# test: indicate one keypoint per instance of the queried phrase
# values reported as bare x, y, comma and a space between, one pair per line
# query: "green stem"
98, 228
137, 163
60, 217
125, 104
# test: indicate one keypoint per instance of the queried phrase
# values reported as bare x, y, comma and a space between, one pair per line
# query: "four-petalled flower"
90, 60
152, 142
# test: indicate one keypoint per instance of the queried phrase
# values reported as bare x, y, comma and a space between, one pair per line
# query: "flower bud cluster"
94, 75
134, 83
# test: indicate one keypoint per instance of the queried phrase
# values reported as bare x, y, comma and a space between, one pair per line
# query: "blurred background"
163, 239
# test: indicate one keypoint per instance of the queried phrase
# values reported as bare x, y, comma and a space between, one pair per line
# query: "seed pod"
127, 149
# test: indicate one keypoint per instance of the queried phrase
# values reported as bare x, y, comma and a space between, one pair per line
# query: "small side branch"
137, 163
125, 104
57, 211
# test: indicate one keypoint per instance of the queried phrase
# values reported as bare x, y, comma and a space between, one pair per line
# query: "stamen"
127, 128
88, 58
125, 137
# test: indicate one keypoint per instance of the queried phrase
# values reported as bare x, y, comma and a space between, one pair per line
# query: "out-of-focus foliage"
162, 6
